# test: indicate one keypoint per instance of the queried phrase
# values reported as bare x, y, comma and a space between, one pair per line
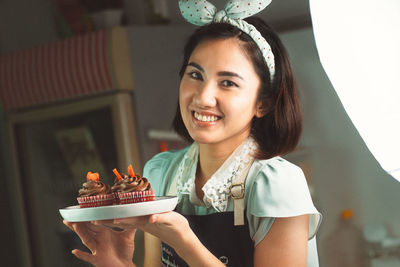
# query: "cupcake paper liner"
116, 200
134, 197
96, 201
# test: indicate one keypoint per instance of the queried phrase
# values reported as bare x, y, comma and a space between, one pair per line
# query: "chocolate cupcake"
95, 193
132, 188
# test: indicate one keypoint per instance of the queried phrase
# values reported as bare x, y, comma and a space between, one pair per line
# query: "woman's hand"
108, 247
173, 229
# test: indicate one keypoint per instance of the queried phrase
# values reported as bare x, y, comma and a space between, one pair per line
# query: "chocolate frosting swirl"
94, 188
119, 183
131, 184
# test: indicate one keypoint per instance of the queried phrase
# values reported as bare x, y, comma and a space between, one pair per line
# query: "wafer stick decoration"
117, 174
130, 170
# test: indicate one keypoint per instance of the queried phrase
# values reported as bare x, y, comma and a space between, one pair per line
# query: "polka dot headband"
201, 12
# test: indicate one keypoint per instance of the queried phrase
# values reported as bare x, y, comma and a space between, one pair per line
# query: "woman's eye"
228, 83
195, 75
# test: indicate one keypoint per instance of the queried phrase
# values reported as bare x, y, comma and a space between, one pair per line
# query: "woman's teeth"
204, 117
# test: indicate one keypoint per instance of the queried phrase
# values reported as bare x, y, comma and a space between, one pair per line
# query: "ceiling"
283, 15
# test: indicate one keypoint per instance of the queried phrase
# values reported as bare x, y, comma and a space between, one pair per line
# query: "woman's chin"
204, 138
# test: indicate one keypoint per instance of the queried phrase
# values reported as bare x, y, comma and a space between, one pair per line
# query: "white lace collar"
216, 189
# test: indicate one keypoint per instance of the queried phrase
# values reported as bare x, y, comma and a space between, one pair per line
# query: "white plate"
158, 205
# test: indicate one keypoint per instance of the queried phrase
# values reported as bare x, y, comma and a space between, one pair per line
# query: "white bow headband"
201, 12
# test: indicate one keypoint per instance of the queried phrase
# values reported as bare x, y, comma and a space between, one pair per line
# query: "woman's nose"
206, 95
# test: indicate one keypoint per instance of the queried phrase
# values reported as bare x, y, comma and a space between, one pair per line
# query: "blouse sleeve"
277, 188
161, 169
154, 170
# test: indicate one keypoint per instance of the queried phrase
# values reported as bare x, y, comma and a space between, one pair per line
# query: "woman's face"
218, 93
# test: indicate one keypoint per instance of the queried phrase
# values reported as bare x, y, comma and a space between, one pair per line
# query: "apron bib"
231, 244
225, 234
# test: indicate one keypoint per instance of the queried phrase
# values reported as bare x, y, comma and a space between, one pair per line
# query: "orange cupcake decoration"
92, 176
130, 170
117, 174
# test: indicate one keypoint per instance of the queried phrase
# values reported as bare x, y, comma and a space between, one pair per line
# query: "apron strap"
237, 193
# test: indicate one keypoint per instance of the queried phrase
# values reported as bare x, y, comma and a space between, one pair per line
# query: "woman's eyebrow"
197, 66
220, 73
229, 73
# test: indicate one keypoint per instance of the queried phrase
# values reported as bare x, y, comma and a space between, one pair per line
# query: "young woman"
240, 204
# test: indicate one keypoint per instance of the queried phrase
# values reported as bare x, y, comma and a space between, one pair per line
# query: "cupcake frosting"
93, 188
131, 184
119, 183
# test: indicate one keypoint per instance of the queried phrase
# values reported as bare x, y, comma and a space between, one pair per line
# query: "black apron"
231, 244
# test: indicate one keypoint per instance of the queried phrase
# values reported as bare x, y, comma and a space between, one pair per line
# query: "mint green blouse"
274, 188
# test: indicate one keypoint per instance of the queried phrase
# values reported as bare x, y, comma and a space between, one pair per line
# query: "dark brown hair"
279, 130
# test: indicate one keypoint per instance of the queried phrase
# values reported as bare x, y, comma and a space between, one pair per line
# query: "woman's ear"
261, 109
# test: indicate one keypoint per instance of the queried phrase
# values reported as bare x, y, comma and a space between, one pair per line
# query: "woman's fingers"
84, 256
87, 237
129, 223
81, 232
103, 222
163, 218
107, 247
153, 218
167, 218
68, 224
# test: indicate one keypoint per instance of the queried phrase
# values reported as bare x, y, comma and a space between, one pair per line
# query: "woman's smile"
204, 117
